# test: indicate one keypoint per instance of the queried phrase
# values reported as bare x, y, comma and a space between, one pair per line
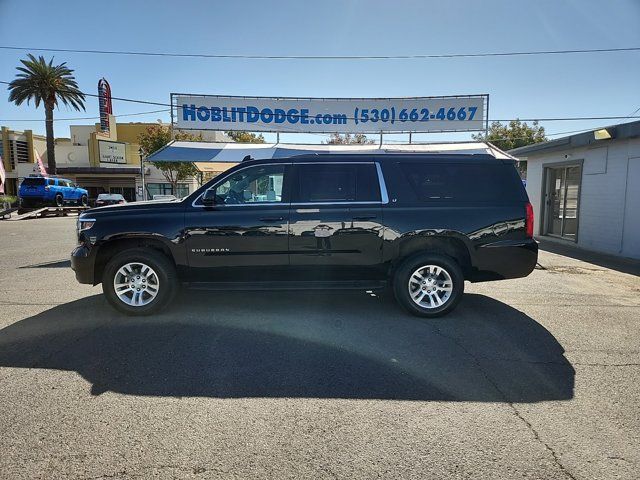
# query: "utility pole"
144, 190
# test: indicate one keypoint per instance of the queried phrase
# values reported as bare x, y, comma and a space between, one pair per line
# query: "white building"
585, 188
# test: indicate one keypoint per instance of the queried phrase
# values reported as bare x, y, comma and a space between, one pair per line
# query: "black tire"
84, 201
163, 267
59, 200
403, 275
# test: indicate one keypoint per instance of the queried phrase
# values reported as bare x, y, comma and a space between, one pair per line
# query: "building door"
562, 194
129, 193
631, 234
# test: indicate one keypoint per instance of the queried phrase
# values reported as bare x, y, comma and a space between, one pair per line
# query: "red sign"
104, 102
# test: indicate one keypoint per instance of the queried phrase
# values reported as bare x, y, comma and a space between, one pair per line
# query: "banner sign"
328, 115
104, 104
112, 152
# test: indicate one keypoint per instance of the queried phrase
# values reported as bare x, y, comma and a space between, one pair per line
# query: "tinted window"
337, 183
463, 182
252, 185
31, 181
51, 181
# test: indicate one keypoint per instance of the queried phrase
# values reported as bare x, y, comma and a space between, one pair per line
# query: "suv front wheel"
139, 281
429, 285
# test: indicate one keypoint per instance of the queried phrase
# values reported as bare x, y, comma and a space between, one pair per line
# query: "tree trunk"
51, 154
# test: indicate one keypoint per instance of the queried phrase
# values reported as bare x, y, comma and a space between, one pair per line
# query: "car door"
336, 218
245, 233
66, 190
74, 192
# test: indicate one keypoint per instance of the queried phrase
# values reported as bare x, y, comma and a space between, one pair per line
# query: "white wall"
80, 134
68, 155
603, 195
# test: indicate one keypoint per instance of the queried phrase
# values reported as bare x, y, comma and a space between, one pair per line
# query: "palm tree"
47, 83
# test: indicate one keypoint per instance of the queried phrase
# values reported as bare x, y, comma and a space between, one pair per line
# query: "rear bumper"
504, 259
82, 263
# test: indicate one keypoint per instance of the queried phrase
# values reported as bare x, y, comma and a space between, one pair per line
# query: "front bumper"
83, 263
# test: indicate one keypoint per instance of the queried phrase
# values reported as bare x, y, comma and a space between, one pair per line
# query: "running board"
290, 285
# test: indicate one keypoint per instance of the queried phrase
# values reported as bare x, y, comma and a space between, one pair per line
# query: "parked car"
421, 223
109, 199
39, 190
164, 197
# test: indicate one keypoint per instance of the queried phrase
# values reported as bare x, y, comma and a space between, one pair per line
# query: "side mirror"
209, 198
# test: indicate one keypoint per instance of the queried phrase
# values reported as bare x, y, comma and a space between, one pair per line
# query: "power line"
634, 112
325, 57
164, 110
539, 119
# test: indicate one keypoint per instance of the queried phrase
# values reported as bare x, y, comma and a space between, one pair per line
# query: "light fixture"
602, 134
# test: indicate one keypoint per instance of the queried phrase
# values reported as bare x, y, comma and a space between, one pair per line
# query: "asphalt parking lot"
530, 378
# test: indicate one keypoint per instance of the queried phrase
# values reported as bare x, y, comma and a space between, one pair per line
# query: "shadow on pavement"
274, 344
621, 264
54, 264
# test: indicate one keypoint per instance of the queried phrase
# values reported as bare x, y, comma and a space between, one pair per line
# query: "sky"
519, 87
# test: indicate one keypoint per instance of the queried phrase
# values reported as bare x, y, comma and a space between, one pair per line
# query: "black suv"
423, 223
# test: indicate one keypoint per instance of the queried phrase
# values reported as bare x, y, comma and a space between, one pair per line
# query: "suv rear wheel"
139, 281
429, 285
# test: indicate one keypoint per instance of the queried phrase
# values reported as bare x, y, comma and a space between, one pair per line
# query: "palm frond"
43, 82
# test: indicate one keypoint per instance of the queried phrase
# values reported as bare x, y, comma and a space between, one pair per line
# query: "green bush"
10, 199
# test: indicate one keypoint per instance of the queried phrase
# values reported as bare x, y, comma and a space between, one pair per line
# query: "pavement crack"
553, 362
516, 412
606, 364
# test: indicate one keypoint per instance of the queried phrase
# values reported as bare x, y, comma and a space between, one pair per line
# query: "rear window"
110, 196
464, 182
33, 182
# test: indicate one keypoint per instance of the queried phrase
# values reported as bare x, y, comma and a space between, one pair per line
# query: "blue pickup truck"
38, 190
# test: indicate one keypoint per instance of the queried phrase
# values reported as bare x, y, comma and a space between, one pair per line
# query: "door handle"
271, 219
364, 217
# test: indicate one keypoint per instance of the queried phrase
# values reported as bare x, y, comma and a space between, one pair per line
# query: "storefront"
97, 180
585, 188
110, 162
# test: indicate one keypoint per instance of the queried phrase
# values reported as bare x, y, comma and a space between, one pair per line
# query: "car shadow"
292, 344
54, 264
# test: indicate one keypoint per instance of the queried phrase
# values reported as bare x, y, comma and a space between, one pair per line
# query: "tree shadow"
275, 344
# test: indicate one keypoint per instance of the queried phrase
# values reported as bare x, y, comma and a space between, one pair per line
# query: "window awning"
235, 152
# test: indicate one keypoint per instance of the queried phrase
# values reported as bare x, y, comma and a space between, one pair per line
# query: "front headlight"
85, 224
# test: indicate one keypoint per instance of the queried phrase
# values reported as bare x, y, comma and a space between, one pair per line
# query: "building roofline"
620, 131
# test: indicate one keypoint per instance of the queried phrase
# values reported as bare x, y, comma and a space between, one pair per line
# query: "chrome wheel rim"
136, 284
430, 286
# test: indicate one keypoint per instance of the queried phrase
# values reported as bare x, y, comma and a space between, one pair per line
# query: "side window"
260, 184
51, 181
463, 182
337, 183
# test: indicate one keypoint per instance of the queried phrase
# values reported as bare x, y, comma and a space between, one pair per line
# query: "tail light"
528, 222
